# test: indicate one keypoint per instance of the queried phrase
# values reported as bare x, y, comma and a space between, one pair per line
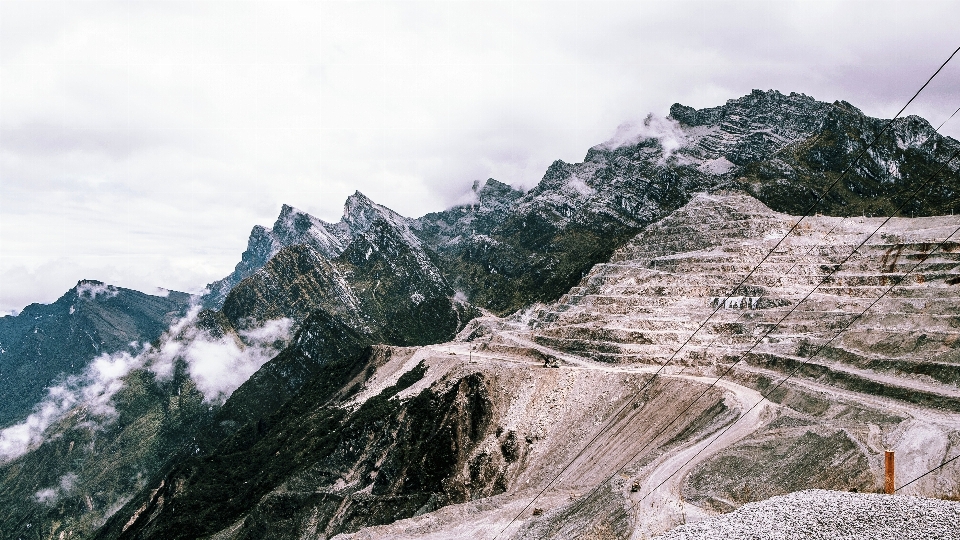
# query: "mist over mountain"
368, 376
46, 342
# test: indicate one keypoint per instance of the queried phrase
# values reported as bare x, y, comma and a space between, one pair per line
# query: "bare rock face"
403, 435
455, 439
383, 284
295, 227
869, 342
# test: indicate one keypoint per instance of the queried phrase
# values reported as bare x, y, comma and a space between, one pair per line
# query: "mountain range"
369, 376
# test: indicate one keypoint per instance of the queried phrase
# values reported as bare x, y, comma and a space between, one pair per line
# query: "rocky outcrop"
383, 284
293, 227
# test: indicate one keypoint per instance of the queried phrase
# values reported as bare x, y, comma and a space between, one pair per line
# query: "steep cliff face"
318, 467
785, 150
47, 342
293, 227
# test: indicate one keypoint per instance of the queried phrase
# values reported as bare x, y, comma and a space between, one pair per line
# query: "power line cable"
816, 203
938, 467
948, 119
743, 355
836, 267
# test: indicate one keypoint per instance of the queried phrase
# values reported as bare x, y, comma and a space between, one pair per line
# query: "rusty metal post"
888, 485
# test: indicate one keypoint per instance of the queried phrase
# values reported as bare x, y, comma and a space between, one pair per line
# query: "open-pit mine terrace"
840, 388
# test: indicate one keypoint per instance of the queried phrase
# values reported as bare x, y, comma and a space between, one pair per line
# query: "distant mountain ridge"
379, 284
785, 150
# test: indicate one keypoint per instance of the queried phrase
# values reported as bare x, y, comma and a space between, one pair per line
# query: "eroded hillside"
456, 439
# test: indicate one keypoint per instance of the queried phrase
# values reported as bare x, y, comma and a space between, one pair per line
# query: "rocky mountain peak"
495, 190
360, 213
764, 121
295, 226
489, 203
49, 342
359, 209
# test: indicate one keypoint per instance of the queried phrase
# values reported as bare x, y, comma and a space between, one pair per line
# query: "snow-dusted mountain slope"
295, 227
783, 149
382, 283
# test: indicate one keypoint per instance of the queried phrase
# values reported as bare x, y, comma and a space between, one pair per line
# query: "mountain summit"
296, 227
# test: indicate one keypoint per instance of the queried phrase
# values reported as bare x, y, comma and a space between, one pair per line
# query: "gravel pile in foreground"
830, 514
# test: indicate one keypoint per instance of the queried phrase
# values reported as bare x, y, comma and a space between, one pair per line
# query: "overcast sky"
140, 141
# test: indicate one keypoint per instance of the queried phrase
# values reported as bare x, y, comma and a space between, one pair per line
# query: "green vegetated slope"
46, 343
265, 474
92, 463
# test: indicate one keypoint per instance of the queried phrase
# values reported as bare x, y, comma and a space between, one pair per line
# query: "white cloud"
94, 389
665, 130
92, 290
50, 495
47, 496
218, 366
